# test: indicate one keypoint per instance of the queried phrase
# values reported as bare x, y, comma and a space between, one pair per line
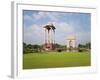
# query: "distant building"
71, 42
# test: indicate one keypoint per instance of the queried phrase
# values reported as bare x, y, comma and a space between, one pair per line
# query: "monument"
71, 43
49, 43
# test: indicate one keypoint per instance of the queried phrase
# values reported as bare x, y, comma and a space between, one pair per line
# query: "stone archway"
71, 43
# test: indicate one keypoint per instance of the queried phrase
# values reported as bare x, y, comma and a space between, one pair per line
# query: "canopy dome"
50, 26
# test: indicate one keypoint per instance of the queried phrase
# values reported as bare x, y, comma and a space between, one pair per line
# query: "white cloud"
39, 15
52, 16
27, 17
33, 34
64, 27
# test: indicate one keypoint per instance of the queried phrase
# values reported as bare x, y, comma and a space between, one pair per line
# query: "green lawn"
56, 59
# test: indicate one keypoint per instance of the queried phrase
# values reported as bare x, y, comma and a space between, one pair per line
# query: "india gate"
71, 43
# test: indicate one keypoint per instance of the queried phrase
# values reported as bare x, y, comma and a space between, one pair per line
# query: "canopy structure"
49, 37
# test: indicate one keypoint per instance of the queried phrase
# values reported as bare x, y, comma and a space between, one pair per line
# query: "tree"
24, 45
36, 46
80, 46
57, 45
29, 46
88, 45
84, 47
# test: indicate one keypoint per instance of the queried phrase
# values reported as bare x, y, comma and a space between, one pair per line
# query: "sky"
66, 23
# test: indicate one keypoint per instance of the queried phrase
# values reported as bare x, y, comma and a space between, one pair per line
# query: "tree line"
84, 47
29, 48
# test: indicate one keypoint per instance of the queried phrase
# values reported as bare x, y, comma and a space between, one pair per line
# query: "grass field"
56, 59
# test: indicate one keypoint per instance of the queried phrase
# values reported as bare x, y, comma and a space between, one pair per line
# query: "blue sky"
67, 24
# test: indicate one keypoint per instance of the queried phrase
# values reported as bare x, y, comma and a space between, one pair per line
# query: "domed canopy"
50, 26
